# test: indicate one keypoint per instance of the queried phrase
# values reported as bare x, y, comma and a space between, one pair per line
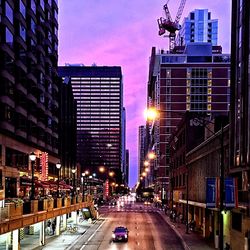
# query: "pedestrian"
48, 227
53, 227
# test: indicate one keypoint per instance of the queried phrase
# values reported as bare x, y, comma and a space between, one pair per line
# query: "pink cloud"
122, 33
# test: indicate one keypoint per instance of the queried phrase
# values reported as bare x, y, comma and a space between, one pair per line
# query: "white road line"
91, 236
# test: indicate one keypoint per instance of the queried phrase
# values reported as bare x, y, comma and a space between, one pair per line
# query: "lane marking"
85, 244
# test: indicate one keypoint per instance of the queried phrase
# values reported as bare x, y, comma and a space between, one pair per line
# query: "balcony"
41, 124
7, 100
21, 133
32, 118
41, 143
18, 213
21, 111
32, 98
41, 106
32, 139
7, 126
21, 88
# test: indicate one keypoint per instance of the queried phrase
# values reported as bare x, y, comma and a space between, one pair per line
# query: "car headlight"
113, 236
126, 236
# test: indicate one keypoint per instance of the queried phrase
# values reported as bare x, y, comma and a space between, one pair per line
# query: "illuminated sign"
44, 166
106, 192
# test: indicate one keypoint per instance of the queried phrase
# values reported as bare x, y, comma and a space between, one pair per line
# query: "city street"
147, 230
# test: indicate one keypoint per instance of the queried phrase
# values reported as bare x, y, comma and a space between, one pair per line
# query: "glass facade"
98, 92
198, 27
9, 12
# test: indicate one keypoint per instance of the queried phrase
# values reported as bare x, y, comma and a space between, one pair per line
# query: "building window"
42, 4
9, 12
33, 25
8, 37
22, 8
56, 15
22, 32
33, 6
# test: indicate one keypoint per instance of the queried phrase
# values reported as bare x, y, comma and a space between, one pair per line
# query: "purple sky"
122, 33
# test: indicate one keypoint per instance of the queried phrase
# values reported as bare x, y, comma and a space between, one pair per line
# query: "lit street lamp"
32, 157
73, 170
58, 166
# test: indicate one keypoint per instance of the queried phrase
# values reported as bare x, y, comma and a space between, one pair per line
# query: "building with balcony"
29, 93
240, 121
194, 78
198, 27
141, 149
99, 96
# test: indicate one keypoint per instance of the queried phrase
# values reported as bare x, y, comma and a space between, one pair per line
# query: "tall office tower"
29, 91
141, 149
127, 167
198, 27
240, 119
98, 92
195, 80
124, 171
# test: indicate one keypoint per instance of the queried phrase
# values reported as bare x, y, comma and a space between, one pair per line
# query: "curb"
184, 244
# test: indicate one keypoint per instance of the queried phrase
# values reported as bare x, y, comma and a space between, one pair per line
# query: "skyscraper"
141, 149
240, 120
198, 27
196, 80
98, 92
29, 90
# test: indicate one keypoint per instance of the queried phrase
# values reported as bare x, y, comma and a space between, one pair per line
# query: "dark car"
120, 234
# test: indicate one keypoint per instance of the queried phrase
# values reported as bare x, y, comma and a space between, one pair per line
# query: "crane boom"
167, 24
180, 10
167, 12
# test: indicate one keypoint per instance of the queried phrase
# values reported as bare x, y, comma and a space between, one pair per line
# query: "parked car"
120, 234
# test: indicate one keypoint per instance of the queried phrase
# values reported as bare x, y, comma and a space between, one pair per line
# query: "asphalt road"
147, 230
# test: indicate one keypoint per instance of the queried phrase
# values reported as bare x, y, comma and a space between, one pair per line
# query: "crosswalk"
134, 209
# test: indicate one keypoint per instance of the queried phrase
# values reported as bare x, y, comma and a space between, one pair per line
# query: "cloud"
122, 32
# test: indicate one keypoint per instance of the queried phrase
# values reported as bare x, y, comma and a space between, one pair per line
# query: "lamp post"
58, 166
32, 157
73, 170
83, 183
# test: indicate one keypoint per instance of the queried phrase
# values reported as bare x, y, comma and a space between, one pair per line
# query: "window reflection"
9, 12
23, 32
8, 37
33, 6
32, 25
22, 8
42, 4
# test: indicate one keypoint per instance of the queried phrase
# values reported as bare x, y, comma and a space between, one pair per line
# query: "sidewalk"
64, 240
190, 241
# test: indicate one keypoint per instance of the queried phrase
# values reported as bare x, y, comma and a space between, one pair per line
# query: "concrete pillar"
58, 225
42, 233
64, 221
8, 240
15, 240
74, 217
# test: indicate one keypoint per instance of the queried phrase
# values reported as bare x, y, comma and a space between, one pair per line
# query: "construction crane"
167, 24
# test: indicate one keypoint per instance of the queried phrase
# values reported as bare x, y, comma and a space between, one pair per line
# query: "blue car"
120, 234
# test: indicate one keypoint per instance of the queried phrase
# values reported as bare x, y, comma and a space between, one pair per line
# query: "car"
120, 234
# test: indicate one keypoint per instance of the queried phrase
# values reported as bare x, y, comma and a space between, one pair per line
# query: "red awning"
39, 184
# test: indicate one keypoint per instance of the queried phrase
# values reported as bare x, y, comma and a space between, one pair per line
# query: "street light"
73, 170
58, 166
32, 157
83, 191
